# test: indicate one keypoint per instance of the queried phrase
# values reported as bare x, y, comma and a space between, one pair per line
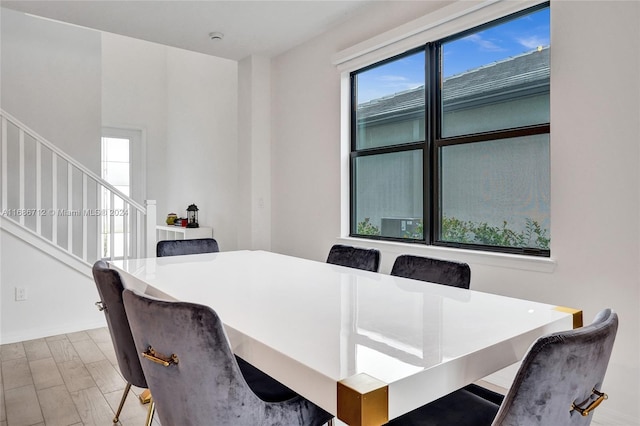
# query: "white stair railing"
50, 194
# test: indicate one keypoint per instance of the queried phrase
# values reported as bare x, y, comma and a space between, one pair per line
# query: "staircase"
55, 202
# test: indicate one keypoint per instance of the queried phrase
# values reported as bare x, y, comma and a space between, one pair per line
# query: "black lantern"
192, 216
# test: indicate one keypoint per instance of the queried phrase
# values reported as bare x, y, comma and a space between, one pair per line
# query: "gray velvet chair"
204, 384
558, 384
110, 289
182, 247
354, 257
447, 272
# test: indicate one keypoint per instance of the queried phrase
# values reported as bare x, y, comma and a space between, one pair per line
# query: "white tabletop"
310, 324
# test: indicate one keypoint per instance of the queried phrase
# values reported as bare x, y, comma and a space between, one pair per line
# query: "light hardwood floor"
66, 380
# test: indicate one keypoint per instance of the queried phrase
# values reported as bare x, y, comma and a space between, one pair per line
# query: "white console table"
164, 232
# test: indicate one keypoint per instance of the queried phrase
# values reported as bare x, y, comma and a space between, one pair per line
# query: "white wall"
187, 104
594, 172
254, 153
202, 160
51, 82
59, 298
51, 79
134, 96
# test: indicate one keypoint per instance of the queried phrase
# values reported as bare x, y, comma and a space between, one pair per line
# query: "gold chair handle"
586, 411
158, 358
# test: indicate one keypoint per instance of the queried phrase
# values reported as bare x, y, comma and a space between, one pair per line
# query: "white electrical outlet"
21, 294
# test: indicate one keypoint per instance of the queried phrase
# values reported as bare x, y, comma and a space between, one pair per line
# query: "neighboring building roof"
528, 71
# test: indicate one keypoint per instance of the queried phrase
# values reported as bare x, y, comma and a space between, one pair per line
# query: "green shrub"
459, 231
367, 228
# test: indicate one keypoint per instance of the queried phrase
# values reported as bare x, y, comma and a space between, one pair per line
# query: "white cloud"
533, 42
484, 44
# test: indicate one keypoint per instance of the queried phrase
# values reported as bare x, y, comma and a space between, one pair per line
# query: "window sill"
500, 260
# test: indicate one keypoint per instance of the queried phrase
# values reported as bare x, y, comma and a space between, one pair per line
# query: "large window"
450, 141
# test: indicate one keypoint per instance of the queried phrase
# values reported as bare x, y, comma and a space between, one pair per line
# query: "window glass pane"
390, 103
498, 77
116, 173
115, 163
115, 149
388, 195
123, 189
496, 193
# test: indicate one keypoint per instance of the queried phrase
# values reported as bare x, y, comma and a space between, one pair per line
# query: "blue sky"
484, 47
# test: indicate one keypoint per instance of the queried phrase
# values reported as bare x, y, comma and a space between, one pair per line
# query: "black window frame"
433, 142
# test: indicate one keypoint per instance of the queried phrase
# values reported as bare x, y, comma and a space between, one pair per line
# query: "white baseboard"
49, 331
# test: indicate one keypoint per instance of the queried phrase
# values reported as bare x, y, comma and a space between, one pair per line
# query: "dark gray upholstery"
354, 257
461, 408
110, 289
447, 272
560, 369
206, 387
182, 247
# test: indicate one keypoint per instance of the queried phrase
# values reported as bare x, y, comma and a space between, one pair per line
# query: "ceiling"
264, 27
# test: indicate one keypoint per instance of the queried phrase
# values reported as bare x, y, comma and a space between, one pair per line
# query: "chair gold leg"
124, 397
145, 396
150, 413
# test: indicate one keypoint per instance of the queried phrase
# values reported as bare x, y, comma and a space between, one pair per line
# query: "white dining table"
365, 346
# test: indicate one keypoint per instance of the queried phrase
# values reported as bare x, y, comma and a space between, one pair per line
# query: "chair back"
183, 247
204, 385
110, 289
447, 272
354, 257
559, 370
